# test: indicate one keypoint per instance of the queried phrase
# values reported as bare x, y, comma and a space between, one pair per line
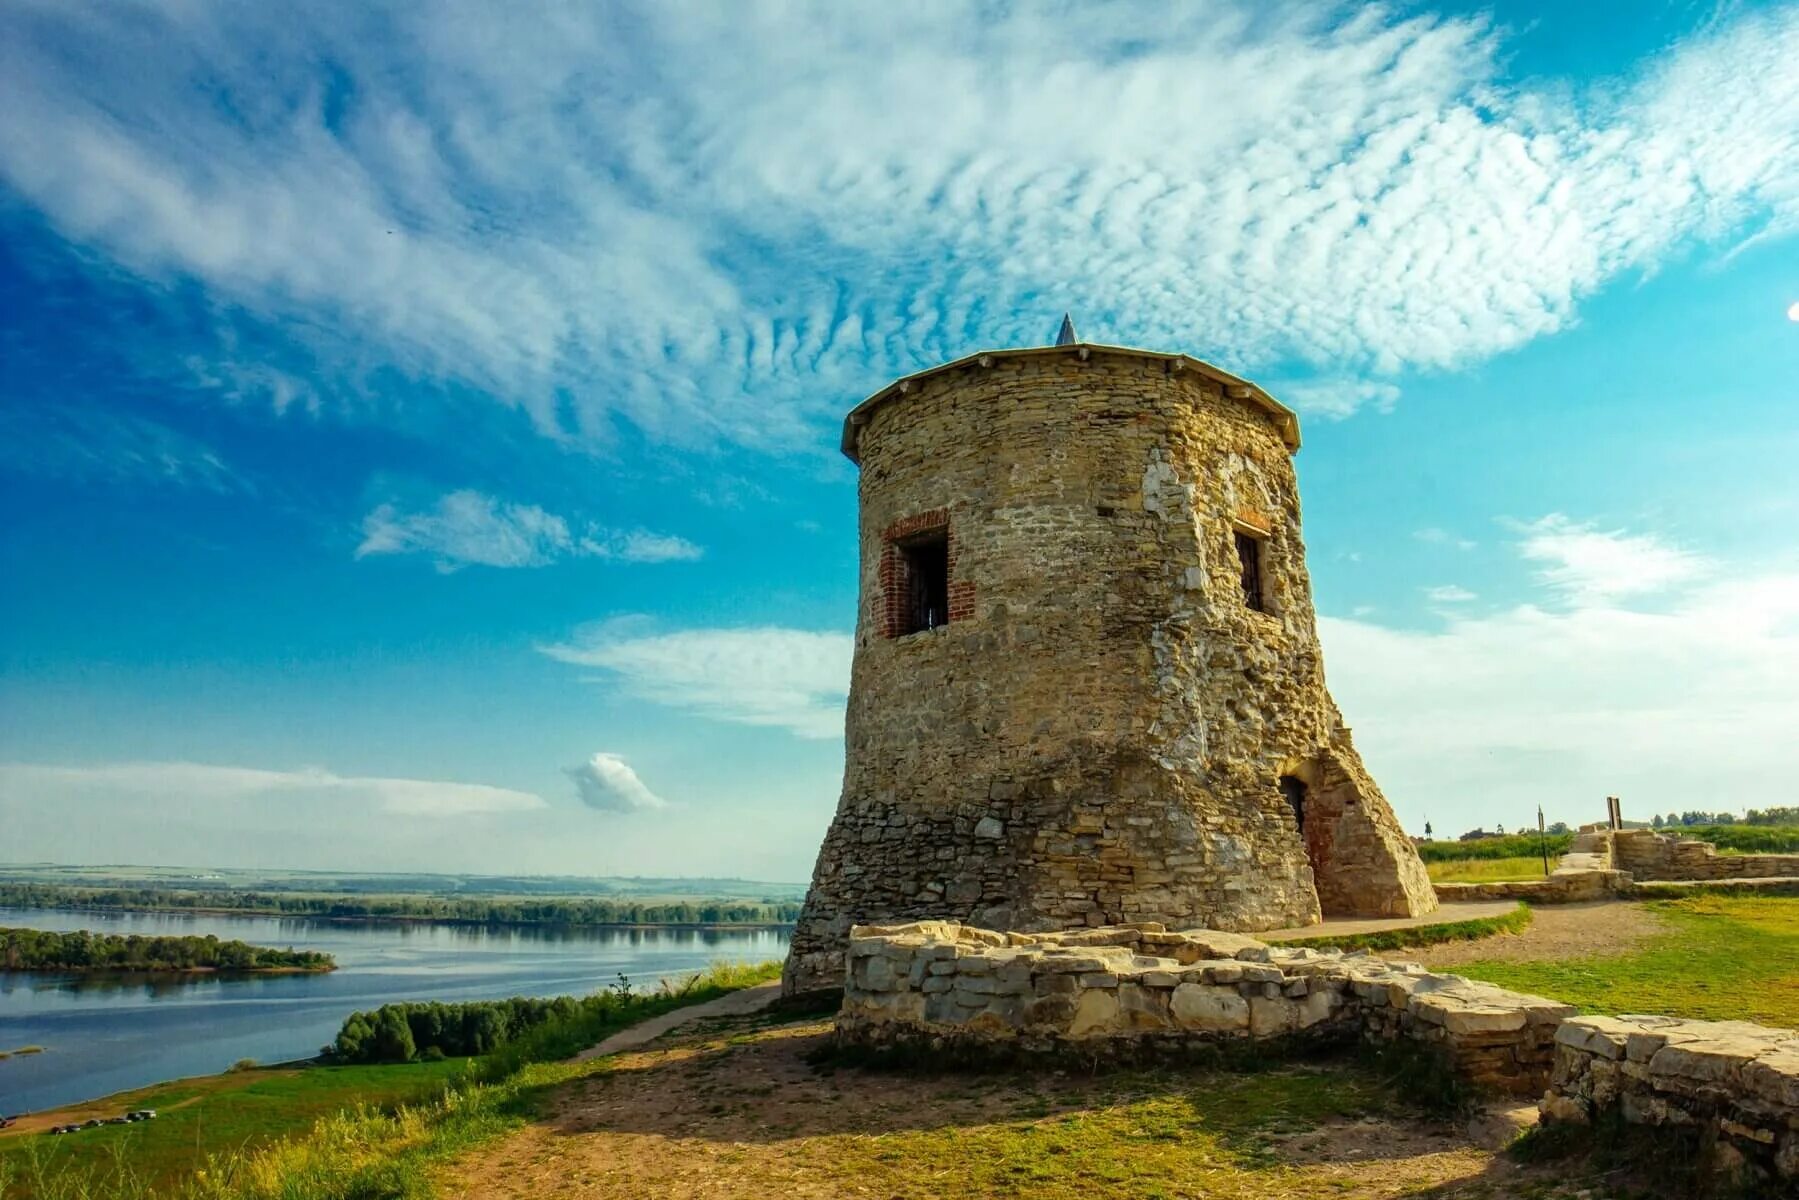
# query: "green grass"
1723, 958
326, 1133
220, 1113
1486, 870
1422, 935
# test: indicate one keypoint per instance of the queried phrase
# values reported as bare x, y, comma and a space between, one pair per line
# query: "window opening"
1294, 790
927, 582
1249, 563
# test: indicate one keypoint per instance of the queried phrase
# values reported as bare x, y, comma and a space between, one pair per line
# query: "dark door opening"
927, 579
1293, 789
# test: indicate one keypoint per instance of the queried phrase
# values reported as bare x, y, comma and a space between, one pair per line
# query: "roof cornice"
1238, 389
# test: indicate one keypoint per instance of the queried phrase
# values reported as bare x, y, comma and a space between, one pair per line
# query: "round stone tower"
1087, 684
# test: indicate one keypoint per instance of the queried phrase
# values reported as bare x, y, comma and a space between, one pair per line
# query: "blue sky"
418, 423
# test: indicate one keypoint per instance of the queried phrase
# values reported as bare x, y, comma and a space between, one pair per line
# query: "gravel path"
1604, 927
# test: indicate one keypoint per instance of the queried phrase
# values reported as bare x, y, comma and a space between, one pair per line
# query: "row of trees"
83, 950
548, 911
401, 1032
1785, 815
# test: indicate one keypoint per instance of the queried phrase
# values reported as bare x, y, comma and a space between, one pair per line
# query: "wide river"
104, 1035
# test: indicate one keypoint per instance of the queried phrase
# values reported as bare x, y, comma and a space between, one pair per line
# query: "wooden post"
1542, 840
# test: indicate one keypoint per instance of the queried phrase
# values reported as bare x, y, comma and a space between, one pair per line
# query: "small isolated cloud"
791, 679
191, 782
1335, 399
469, 528
1442, 537
606, 783
1590, 565
1449, 593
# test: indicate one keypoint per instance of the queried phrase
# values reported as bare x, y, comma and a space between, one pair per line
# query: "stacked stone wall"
1733, 1084
1128, 992
1098, 734
1653, 856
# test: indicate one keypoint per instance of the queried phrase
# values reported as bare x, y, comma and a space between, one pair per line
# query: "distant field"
1510, 846
207, 1115
1486, 870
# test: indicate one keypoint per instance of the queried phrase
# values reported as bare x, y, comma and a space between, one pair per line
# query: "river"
107, 1034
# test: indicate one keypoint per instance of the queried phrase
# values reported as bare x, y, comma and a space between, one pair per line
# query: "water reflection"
114, 1031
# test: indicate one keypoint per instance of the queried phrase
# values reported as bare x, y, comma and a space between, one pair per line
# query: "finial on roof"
1065, 335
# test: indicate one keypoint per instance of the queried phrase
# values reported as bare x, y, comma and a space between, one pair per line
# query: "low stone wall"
1570, 887
1653, 856
1735, 1084
1130, 991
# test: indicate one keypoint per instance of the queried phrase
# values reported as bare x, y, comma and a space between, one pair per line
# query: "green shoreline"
400, 919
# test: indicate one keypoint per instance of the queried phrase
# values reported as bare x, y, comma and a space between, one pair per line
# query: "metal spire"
1065, 335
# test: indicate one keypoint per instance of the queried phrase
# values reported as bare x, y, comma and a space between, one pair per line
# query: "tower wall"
1099, 732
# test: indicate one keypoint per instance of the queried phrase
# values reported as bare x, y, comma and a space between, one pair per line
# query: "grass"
367, 1132
1744, 839
1423, 935
1722, 958
234, 1112
1486, 870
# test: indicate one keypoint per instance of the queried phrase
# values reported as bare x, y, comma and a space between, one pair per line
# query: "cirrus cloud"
531, 206
469, 528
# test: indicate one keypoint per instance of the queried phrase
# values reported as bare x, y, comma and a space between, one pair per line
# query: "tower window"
927, 582
1249, 565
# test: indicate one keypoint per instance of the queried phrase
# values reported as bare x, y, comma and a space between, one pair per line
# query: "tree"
392, 1040
1657, 823
1427, 830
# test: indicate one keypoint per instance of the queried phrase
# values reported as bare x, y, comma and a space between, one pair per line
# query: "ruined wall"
1137, 991
1098, 734
1648, 855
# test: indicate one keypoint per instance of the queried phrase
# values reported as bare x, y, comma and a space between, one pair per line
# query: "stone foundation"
1132, 991
1733, 1083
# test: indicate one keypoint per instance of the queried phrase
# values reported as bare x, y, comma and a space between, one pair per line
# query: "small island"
83, 950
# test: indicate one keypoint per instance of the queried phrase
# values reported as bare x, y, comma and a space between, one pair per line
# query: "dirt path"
740, 1003
1604, 927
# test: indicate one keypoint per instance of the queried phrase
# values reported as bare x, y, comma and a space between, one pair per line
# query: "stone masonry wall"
1098, 734
1648, 855
1137, 990
1734, 1084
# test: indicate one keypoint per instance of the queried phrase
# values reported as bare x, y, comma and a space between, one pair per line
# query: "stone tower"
1087, 684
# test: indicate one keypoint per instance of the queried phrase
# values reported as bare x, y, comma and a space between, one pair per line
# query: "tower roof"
1240, 389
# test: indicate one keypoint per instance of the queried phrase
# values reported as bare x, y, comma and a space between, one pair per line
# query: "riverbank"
349, 1124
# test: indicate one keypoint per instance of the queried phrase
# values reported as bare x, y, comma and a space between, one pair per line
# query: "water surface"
105, 1034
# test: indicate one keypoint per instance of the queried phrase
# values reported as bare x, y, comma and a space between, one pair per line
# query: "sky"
418, 422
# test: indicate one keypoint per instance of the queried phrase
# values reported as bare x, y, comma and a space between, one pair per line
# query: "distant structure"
1087, 685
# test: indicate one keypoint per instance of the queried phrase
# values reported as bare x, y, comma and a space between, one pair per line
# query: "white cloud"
1590, 565
1449, 593
522, 201
467, 527
190, 782
790, 679
1687, 703
607, 783
1442, 537
1335, 399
